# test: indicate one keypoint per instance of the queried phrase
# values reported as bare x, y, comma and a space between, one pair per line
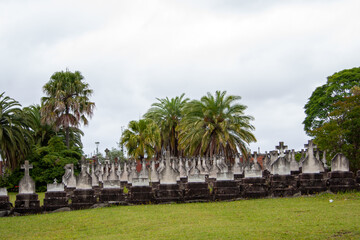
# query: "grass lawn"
313, 217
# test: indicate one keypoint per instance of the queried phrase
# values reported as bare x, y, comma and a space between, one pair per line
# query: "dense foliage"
167, 114
48, 136
15, 137
212, 125
333, 116
322, 100
67, 102
142, 139
342, 132
48, 164
215, 125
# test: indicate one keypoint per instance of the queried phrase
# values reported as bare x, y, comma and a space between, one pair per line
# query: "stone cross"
27, 166
310, 148
281, 149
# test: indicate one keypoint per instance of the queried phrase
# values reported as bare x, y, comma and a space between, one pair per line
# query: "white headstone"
168, 175
311, 164
3, 192
339, 163
27, 184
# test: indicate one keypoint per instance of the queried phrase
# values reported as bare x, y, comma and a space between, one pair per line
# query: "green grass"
311, 217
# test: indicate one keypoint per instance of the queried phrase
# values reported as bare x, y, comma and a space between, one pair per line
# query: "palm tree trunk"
67, 137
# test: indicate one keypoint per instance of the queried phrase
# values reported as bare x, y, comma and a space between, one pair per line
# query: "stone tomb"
283, 185
312, 178
196, 189
5, 204
69, 180
55, 197
340, 178
254, 187
83, 196
168, 190
225, 190
140, 191
27, 200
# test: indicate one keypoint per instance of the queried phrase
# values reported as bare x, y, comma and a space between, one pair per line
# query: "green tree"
142, 139
15, 138
341, 134
167, 114
40, 131
322, 100
214, 125
67, 102
48, 162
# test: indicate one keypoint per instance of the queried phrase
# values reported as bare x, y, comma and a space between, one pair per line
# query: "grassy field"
313, 217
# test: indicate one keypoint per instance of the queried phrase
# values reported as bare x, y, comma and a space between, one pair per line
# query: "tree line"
215, 124
47, 134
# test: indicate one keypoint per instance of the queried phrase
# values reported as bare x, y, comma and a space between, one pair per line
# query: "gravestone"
195, 189
140, 191
311, 178
142, 179
311, 164
168, 190
253, 168
55, 196
83, 196
195, 174
182, 171
253, 185
294, 165
340, 178
214, 170
237, 168
69, 180
27, 200
280, 166
154, 175
124, 175
5, 204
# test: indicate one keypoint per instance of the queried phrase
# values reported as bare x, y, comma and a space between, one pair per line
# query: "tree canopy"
15, 137
322, 100
167, 114
333, 116
142, 139
214, 125
67, 103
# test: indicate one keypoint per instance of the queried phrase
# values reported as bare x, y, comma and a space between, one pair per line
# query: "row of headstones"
83, 195
171, 170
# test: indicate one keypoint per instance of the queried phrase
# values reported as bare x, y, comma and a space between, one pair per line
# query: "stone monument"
27, 200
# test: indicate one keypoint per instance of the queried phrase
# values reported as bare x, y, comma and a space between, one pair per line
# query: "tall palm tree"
214, 125
167, 115
141, 139
67, 103
15, 138
41, 132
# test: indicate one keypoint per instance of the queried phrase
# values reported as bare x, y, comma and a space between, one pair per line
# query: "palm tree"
67, 103
167, 115
41, 132
141, 139
215, 125
15, 138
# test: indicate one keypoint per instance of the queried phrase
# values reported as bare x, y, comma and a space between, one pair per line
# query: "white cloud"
273, 54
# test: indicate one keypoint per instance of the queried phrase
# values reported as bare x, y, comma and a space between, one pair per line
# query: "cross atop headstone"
281, 149
310, 148
27, 166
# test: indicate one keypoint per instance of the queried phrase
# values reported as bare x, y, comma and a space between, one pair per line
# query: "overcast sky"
271, 53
